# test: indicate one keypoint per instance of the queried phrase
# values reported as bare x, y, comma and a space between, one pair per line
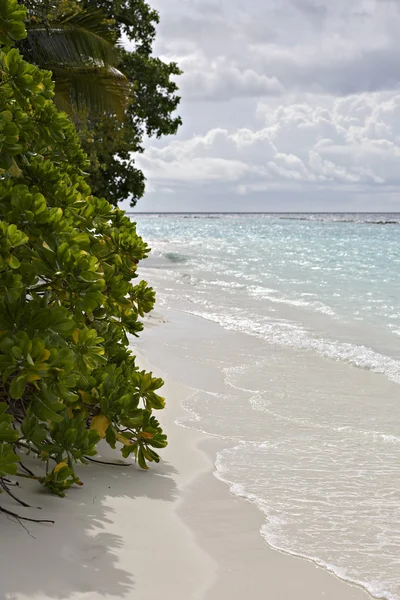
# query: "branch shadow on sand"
80, 552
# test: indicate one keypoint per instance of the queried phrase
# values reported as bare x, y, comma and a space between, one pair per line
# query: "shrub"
67, 304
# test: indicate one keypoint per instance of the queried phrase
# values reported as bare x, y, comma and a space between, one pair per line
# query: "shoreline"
174, 531
119, 536
228, 527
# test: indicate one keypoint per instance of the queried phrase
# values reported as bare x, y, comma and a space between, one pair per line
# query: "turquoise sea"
312, 421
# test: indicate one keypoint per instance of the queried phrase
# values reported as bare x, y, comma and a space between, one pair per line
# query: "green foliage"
115, 96
12, 27
67, 298
79, 47
110, 143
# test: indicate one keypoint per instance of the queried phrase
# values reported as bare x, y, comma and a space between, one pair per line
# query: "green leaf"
141, 459
33, 430
68, 257
111, 437
7, 434
47, 412
14, 262
70, 437
8, 460
17, 386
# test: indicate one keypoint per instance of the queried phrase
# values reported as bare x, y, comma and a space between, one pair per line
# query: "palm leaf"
101, 89
77, 37
81, 51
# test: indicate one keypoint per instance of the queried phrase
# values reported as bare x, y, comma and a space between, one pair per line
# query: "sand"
174, 532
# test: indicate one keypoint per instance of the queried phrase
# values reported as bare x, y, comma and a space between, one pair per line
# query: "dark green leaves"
112, 143
33, 430
67, 301
7, 433
8, 460
12, 17
78, 46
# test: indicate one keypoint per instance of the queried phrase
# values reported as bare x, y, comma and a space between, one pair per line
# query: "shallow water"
312, 418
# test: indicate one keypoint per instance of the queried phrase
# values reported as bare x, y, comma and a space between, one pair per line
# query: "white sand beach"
192, 156
174, 532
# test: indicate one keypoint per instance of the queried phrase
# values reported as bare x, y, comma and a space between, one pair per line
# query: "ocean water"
311, 407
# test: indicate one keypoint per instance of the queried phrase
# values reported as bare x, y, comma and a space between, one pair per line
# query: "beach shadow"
79, 553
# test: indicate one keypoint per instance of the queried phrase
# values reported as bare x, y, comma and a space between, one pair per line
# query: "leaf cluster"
68, 297
111, 144
106, 77
80, 47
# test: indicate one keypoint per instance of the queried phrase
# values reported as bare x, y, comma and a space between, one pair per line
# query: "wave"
276, 530
367, 219
258, 403
293, 336
270, 294
271, 532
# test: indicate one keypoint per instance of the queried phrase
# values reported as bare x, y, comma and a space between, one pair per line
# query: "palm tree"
79, 47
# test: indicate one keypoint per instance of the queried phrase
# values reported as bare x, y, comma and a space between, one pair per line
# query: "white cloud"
335, 47
290, 97
353, 141
221, 81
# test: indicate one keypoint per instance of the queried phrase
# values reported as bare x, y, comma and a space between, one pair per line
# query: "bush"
67, 304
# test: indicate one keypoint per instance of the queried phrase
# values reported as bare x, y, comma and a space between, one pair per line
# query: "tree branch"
21, 502
103, 462
19, 518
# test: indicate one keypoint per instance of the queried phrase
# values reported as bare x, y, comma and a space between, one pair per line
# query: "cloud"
353, 141
259, 47
293, 99
221, 81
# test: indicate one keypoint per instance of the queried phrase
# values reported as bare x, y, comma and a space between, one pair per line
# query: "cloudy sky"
287, 105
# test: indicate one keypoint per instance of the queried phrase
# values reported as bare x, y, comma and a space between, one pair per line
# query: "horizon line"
285, 212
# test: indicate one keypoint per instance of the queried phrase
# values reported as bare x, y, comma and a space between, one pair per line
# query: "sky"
287, 105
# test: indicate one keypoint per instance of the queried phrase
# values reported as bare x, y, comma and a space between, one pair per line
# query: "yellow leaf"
70, 413
75, 336
124, 440
146, 435
14, 170
100, 424
45, 355
58, 467
34, 377
86, 397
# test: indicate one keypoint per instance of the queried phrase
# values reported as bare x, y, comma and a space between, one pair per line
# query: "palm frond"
80, 48
79, 37
100, 89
